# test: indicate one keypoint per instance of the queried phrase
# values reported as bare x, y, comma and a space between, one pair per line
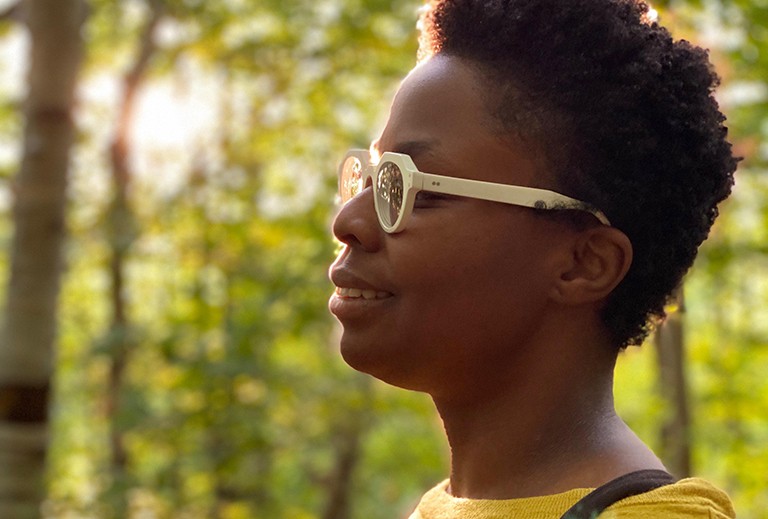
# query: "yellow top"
686, 499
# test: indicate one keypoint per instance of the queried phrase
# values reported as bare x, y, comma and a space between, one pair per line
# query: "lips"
354, 293
351, 285
356, 299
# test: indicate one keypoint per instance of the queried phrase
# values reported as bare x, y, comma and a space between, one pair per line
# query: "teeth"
357, 293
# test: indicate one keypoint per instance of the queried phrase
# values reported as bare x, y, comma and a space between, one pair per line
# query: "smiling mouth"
357, 293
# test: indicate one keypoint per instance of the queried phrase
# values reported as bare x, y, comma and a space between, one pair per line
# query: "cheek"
473, 291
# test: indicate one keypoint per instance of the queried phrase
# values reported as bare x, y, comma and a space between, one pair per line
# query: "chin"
365, 359
384, 367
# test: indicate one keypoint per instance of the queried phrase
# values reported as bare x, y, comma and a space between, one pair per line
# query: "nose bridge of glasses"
369, 173
368, 167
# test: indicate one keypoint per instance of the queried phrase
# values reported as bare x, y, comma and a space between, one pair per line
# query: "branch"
135, 75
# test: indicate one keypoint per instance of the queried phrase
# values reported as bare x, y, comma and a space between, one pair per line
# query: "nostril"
356, 223
342, 229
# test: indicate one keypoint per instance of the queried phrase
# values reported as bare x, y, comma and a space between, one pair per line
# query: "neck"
544, 429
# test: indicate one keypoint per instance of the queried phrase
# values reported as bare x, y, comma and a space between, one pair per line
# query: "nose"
356, 225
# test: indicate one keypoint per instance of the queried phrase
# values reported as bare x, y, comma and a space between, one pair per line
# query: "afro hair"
624, 116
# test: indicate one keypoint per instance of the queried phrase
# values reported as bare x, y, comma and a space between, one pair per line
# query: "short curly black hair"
624, 115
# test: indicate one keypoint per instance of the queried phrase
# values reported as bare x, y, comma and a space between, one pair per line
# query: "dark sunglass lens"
351, 181
389, 190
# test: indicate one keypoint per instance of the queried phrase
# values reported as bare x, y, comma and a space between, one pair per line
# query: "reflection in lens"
351, 178
389, 190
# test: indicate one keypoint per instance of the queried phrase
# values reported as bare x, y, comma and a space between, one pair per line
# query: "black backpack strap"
632, 484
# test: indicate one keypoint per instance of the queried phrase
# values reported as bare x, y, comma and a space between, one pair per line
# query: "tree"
122, 233
675, 434
29, 328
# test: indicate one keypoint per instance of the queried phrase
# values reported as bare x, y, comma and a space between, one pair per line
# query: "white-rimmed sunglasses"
396, 180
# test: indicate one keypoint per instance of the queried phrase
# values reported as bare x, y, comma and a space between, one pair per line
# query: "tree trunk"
348, 446
122, 233
348, 441
675, 431
29, 328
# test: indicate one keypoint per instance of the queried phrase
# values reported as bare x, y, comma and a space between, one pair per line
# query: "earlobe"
600, 258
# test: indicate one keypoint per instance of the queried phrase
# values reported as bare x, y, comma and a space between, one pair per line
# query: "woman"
508, 305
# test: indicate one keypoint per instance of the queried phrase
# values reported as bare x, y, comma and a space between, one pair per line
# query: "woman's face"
460, 292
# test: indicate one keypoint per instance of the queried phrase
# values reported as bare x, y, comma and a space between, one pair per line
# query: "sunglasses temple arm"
508, 194
504, 193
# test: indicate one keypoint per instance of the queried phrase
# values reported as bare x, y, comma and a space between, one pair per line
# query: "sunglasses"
396, 180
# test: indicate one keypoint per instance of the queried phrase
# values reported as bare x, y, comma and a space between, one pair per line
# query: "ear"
598, 259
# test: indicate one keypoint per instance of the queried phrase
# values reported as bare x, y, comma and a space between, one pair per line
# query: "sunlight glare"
173, 128
164, 119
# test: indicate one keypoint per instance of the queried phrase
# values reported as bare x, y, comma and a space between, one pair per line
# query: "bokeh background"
196, 371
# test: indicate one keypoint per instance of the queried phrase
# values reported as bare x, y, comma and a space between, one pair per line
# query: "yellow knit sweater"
687, 499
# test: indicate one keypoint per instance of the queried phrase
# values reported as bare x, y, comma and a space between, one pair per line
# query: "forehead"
438, 97
439, 116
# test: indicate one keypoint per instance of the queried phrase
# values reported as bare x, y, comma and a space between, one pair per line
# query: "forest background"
195, 370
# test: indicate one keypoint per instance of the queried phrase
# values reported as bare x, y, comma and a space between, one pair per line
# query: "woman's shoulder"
686, 499
691, 498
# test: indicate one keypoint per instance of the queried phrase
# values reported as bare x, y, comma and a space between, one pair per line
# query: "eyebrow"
411, 148
416, 148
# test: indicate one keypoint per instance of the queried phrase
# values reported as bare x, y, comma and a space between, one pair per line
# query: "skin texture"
492, 309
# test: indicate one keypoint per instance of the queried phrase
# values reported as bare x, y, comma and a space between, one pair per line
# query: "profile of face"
452, 301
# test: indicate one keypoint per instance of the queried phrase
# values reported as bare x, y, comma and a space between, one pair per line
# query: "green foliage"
235, 403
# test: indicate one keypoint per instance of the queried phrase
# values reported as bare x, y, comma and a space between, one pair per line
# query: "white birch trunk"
28, 329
